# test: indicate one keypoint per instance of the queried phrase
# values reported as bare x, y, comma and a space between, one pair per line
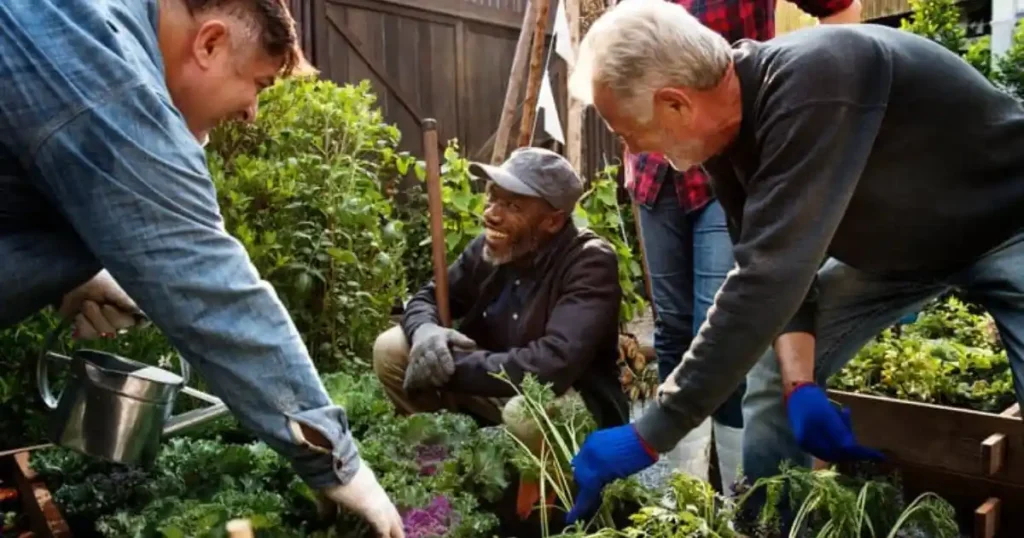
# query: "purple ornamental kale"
430, 522
430, 458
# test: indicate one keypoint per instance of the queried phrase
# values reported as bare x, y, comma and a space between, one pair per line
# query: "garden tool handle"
432, 162
436, 207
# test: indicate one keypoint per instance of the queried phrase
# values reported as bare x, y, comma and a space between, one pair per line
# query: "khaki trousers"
391, 358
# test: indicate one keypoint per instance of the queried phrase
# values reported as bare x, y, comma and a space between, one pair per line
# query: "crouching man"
533, 294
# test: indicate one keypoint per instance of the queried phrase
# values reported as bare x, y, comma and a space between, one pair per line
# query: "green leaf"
342, 255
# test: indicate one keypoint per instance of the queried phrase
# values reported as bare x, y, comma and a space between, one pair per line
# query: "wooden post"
574, 127
44, 516
986, 519
437, 239
536, 74
515, 83
436, 207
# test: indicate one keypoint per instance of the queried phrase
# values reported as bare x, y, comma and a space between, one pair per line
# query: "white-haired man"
874, 150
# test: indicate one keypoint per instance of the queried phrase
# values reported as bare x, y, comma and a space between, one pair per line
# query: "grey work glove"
430, 361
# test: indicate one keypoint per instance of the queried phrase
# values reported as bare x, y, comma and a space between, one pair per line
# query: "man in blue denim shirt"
102, 109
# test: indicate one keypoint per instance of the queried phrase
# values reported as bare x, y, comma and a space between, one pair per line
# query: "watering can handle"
43, 370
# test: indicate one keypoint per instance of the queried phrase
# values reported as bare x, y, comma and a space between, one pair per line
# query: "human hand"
822, 430
605, 456
364, 496
430, 359
100, 308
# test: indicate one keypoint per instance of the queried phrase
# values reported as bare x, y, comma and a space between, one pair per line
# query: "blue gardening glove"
605, 456
822, 430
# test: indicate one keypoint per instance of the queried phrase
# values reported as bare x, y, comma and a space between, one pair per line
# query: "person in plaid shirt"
686, 243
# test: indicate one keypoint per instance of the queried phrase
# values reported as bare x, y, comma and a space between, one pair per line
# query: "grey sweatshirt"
868, 144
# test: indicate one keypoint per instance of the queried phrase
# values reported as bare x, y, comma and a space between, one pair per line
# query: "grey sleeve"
811, 160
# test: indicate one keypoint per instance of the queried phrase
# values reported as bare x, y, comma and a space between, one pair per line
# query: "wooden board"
971, 496
46, 519
954, 440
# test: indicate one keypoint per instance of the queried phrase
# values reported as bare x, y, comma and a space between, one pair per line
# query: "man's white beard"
204, 140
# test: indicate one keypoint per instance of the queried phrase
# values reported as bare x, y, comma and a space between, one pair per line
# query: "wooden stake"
986, 519
574, 127
536, 74
436, 206
437, 239
515, 83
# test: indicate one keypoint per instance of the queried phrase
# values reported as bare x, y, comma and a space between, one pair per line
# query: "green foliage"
197, 485
463, 205
938, 20
950, 356
600, 211
979, 55
827, 504
1009, 71
303, 189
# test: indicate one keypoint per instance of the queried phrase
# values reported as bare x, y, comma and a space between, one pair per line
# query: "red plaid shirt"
734, 20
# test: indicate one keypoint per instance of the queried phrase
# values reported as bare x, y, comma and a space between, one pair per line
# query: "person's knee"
391, 355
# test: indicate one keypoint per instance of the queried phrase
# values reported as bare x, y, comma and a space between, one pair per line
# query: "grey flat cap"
536, 172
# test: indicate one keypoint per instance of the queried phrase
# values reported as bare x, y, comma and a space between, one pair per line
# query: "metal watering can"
115, 408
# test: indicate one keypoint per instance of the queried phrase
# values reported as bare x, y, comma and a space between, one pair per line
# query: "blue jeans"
688, 256
854, 307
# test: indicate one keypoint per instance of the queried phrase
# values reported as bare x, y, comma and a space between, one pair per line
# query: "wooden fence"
442, 59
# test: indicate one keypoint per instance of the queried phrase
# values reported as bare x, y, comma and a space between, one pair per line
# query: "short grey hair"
640, 46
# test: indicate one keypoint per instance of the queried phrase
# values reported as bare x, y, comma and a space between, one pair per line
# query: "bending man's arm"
133, 183
811, 160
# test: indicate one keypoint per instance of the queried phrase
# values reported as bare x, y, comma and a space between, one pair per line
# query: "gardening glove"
364, 496
430, 361
821, 429
605, 456
100, 308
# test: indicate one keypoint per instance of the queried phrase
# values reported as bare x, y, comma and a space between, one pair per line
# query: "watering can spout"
195, 417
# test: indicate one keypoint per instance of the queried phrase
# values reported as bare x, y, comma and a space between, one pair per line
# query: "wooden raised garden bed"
45, 519
973, 459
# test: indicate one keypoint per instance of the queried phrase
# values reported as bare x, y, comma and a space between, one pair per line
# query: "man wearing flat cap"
532, 294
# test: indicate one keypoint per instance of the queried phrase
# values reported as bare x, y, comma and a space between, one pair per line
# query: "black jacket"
556, 317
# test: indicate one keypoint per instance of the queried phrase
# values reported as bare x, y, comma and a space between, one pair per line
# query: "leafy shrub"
600, 211
1009, 72
939, 20
949, 356
463, 202
304, 189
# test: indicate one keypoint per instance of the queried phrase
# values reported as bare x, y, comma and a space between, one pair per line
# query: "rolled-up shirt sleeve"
132, 181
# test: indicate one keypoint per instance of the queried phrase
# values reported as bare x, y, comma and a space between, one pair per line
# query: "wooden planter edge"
965, 441
44, 515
